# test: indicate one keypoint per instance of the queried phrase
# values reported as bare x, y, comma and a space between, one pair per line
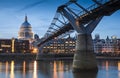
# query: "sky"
40, 14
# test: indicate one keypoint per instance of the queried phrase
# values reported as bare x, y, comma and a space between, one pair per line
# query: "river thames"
56, 69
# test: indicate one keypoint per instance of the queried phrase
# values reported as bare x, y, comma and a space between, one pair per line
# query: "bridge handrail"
92, 7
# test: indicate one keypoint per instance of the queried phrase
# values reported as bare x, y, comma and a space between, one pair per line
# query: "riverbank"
70, 57
29, 56
107, 58
17, 56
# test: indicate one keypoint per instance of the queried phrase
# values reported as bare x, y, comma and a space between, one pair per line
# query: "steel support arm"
79, 29
55, 25
91, 26
61, 22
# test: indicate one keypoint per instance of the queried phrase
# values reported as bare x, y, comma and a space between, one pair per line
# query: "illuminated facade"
107, 45
65, 45
5, 45
14, 46
21, 46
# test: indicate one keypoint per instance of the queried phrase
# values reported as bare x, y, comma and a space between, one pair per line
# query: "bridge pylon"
84, 58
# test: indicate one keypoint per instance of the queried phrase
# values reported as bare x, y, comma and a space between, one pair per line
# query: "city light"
3, 45
35, 50
13, 45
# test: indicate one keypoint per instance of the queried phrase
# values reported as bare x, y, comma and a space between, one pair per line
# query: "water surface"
55, 69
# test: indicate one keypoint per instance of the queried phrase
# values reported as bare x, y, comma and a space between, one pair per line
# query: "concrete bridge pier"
84, 58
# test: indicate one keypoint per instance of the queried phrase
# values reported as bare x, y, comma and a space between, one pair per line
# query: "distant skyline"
40, 14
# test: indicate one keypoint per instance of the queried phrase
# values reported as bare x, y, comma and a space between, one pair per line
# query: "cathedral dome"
26, 24
25, 31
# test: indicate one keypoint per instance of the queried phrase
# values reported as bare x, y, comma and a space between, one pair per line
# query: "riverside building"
67, 45
14, 46
63, 45
107, 45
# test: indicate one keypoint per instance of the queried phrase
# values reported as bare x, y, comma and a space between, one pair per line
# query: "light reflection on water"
12, 69
24, 69
55, 69
35, 70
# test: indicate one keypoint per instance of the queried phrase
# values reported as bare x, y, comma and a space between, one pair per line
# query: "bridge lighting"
0, 49
77, 22
35, 50
55, 37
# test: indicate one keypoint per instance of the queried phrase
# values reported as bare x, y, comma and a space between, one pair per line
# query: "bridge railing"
93, 7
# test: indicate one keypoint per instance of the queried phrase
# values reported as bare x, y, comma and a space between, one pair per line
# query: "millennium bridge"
70, 17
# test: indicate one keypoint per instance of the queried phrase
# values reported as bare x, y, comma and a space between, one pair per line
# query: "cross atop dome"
25, 17
26, 23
